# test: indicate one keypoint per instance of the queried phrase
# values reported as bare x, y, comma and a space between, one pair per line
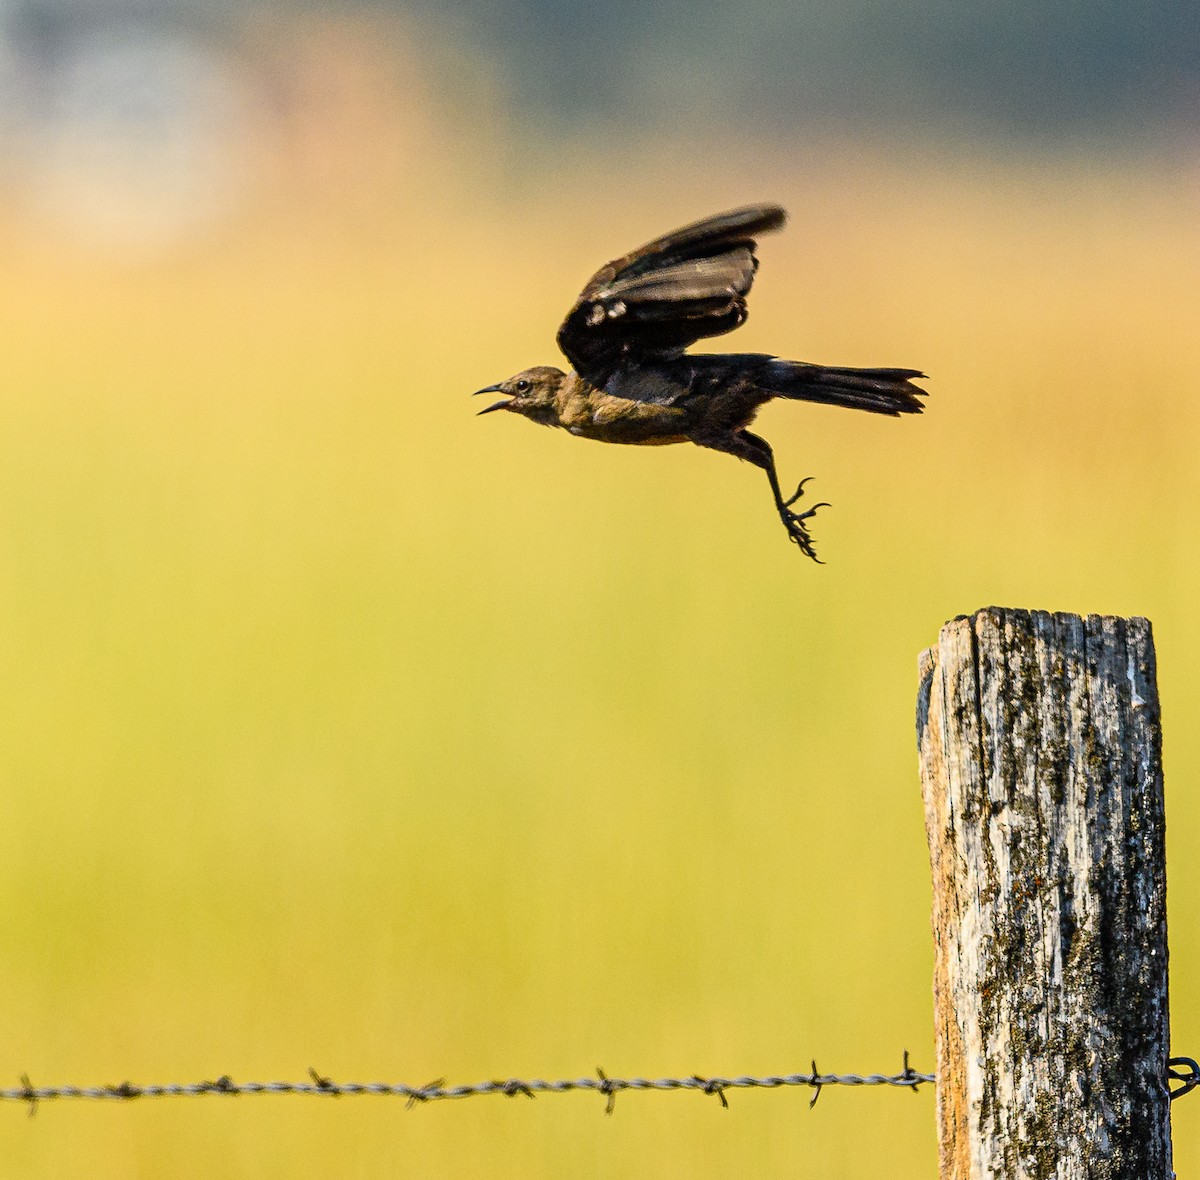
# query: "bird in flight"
634, 381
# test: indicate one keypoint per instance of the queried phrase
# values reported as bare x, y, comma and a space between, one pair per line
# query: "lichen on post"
1040, 752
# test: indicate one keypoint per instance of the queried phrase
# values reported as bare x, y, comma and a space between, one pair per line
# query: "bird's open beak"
500, 405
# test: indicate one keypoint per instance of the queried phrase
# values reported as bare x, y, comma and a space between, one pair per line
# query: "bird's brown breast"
589, 412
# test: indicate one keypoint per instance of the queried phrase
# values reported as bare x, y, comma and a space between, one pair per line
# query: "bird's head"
530, 393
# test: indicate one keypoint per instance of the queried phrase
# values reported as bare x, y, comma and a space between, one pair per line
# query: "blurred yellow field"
343, 729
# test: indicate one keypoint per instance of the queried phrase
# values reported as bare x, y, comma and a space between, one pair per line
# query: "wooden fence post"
1042, 778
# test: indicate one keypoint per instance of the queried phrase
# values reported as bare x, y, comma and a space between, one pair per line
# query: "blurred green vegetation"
340, 728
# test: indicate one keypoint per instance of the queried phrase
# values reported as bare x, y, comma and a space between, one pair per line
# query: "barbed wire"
1182, 1070
438, 1090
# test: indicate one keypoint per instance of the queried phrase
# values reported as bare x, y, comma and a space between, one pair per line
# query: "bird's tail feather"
879, 391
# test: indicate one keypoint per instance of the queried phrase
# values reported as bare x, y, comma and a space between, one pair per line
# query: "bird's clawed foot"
794, 522
800, 492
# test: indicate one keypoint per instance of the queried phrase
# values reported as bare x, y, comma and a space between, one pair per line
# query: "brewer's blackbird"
634, 381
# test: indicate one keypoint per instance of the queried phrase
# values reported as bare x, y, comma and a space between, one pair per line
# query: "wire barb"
816, 1084
713, 1086
28, 1094
608, 1088
223, 1085
426, 1093
323, 1083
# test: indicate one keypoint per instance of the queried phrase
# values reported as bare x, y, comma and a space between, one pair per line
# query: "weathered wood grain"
1041, 772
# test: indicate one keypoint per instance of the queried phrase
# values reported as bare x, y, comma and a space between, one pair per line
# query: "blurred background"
341, 729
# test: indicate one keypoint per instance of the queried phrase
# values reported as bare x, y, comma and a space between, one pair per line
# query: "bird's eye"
523, 386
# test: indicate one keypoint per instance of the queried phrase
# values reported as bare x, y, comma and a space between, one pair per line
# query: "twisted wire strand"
438, 1090
1184, 1071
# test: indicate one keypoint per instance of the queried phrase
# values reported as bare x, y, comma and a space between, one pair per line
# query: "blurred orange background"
342, 729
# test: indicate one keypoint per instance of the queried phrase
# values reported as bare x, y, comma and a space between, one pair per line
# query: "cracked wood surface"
1041, 772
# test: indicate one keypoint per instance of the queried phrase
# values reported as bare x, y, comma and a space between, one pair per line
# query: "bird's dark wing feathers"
655, 301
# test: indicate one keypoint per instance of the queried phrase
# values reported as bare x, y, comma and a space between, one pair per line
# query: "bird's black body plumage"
676, 381
634, 382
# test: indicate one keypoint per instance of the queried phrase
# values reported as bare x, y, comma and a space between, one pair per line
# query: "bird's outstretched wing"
665, 295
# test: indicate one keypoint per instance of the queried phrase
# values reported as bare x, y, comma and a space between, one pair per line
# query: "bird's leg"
758, 451
793, 521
